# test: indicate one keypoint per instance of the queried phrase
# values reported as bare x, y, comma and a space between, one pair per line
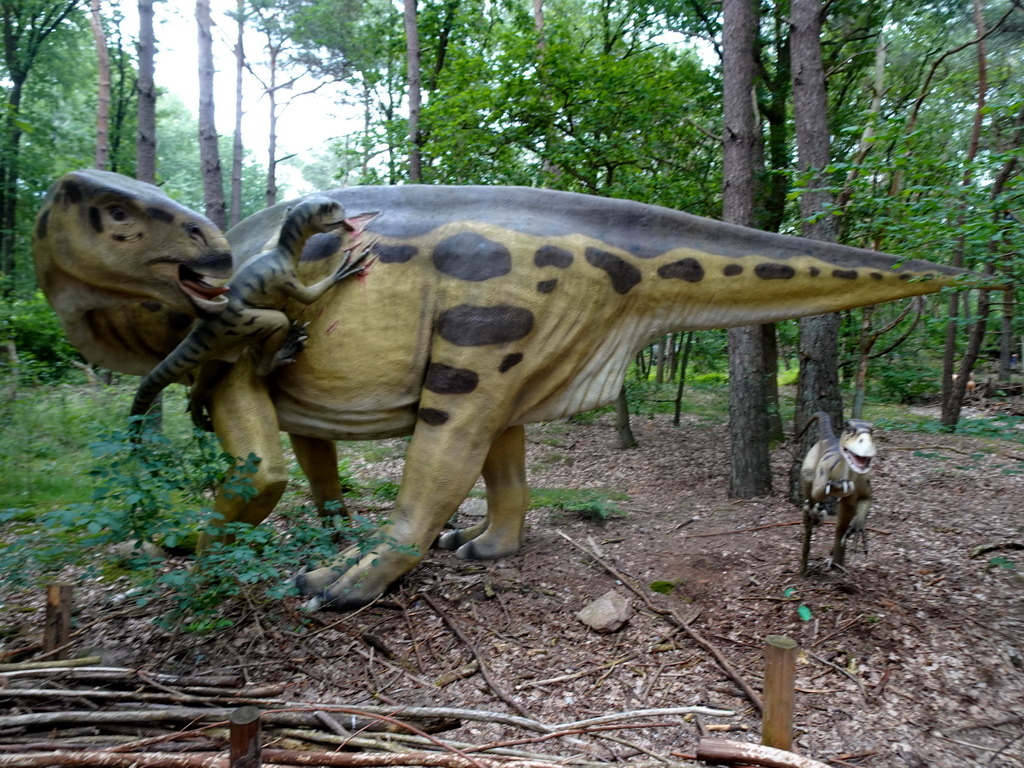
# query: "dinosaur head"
126, 268
858, 445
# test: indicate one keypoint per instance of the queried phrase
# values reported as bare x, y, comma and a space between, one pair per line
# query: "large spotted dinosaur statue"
488, 308
254, 316
837, 468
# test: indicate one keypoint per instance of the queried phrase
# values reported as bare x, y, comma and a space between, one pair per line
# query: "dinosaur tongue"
199, 288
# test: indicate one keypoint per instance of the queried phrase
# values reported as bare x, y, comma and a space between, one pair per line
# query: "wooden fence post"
57, 624
779, 676
245, 738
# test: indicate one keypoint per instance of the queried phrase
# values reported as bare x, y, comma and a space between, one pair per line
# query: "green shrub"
43, 350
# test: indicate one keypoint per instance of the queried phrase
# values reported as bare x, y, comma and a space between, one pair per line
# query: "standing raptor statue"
488, 308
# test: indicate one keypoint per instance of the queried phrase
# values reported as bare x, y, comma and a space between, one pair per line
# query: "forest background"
620, 98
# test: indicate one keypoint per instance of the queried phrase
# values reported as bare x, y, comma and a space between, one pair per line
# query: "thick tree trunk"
145, 148
748, 417
818, 382
209, 152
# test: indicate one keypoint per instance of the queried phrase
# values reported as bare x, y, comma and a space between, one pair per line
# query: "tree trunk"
145, 148
412, 47
209, 152
623, 430
272, 138
748, 418
237, 148
953, 390
818, 382
103, 91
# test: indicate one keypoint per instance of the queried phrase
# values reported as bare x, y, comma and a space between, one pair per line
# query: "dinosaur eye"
118, 214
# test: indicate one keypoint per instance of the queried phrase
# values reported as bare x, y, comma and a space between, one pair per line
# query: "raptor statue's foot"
293, 345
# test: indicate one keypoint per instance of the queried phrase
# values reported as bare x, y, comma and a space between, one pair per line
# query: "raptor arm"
350, 265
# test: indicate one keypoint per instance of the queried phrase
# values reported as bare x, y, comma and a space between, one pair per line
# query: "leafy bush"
44, 352
155, 490
905, 382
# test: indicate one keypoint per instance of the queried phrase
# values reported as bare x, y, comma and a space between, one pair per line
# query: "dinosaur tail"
186, 357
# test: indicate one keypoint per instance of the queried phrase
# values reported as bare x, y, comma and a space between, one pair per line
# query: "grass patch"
596, 504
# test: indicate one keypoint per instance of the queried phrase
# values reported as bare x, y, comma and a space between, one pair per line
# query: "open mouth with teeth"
859, 464
206, 296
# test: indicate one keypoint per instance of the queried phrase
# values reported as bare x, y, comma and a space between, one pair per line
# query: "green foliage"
905, 380
154, 489
596, 505
43, 351
1003, 563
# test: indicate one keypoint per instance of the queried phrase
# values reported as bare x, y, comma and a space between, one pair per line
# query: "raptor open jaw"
859, 464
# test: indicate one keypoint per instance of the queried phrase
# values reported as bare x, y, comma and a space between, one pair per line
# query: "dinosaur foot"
354, 580
480, 543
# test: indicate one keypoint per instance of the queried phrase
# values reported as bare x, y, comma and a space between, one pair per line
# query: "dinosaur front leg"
319, 461
246, 424
501, 532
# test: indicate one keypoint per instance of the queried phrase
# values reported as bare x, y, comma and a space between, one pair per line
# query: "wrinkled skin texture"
487, 308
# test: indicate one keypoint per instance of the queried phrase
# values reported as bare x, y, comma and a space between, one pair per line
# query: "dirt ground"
914, 656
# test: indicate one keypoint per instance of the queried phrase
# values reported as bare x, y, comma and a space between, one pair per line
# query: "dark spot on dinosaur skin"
814, 271
845, 274
179, 321
41, 225
623, 274
469, 256
689, 270
320, 246
447, 380
72, 192
552, 256
94, 218
547, 286
877, 275
152, 306
394, 254
772, 271
469, 325
433, 416
159, 214
731, 270
510, 361
905, 276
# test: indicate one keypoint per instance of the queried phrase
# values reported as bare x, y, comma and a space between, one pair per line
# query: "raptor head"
858, 445
126, 268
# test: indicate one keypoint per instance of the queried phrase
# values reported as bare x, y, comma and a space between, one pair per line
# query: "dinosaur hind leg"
444, 459
501, 532
319, 461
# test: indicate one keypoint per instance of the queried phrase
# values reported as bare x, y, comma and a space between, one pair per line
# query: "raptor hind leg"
813, 515
501, 532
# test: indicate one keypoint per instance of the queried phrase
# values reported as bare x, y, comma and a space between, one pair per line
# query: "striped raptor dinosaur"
837, 468
253, 316
488, 308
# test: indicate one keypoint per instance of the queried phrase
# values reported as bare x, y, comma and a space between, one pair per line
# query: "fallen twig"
484, 671
675, 619
721, 751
